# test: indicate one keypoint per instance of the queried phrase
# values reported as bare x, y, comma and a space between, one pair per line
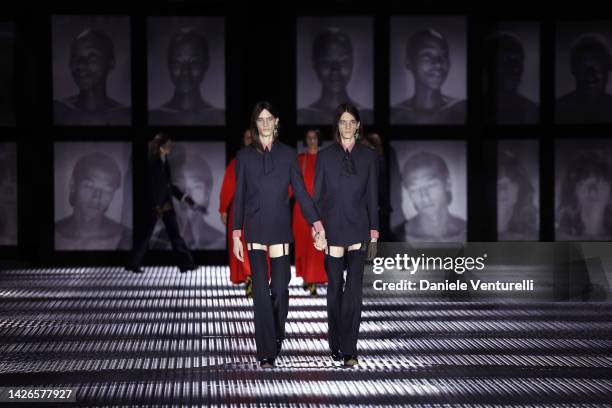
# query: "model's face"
312, 140
94, 193
188, 64
591, 72
266, 123
593, 193
247, 138
509, 67
507, 192
431, 65
334, 66
89, 64
347, 125
427, 193
193, 185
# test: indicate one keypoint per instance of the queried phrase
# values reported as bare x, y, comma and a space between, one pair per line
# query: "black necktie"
348, 165
267, 161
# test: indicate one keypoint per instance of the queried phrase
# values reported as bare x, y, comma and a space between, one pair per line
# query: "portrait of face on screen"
334, 66
583, 190
92, 70
518, 190
197, 169
428, 78
93, 196
186, 71
583, 63
511, 73
432, 188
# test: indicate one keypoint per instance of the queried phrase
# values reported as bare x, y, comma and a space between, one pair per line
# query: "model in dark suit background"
346, 197
264, 172
159, 191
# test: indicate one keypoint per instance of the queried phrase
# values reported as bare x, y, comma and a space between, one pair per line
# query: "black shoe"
350, 360
188, 268
134, 269
336, 355
266, 363
279, 346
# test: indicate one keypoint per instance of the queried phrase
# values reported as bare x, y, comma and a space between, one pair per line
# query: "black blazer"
159, 186
261, 201
348, 203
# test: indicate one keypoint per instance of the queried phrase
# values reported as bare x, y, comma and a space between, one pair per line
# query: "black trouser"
270, 300
185, 259
344, 304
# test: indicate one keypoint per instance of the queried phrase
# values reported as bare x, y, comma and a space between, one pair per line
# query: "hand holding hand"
320, 242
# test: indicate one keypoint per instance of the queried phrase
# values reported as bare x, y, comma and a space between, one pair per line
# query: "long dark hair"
524, 214
158, 141
350, 108
588, 163
259, 107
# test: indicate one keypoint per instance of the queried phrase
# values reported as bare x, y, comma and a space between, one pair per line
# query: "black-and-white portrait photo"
92, 70
93, 195
428, 63
511, 70
518, 187
186, 70
583, 183
197, 169
433, 185
7, 74
8, 194
583, 89
335, 64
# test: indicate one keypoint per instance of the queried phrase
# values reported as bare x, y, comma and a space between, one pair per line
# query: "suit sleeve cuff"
237, 233
374, 234
318, 226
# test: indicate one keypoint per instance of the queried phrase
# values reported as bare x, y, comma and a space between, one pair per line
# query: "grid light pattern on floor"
172, 339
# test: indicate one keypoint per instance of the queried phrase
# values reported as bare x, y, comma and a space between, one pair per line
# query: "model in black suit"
346, 196
159, 190
264, 172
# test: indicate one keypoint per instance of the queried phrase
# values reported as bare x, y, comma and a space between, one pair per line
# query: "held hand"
224, 218
238, 249
320, 242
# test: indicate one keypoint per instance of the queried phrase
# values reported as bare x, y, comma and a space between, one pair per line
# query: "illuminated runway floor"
170, 339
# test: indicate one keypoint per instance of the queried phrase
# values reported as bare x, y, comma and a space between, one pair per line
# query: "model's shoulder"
244, 152
368, 151
285, 148
327, 151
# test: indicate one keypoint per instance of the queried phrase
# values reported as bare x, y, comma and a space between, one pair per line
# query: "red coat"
238, 270
308, 260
